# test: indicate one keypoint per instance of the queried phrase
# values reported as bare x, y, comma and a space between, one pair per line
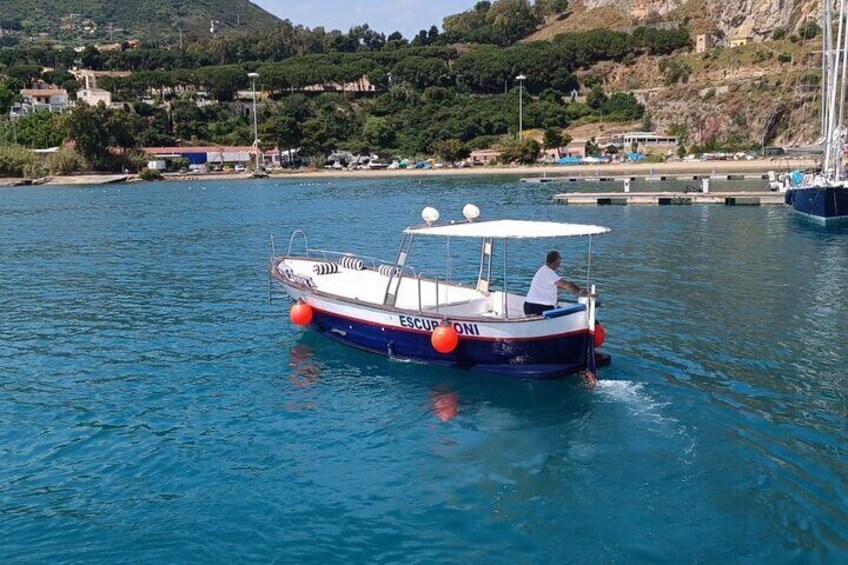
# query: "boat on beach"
390, 309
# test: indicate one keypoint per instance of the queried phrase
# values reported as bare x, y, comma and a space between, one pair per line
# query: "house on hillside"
93, 96
361, 85
740, 40
50, 99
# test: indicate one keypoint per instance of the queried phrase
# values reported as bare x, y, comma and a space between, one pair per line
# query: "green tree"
524, 151
451, 150
596, 98
86, 126
40, 130
545, 8
647, 122
566, 139
7, 97
622, 107
284, 131
98, 130
553, 139
512, 19
378, 133
591, 147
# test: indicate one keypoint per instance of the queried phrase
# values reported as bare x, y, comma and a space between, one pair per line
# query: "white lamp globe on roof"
430, 215
471, 212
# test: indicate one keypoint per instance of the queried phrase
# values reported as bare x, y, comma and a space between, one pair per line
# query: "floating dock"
645, 178
669, 198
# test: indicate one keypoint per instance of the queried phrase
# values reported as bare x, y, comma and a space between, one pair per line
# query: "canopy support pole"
396, 275
483, 279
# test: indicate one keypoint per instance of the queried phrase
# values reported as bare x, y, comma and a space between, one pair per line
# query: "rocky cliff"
724, 18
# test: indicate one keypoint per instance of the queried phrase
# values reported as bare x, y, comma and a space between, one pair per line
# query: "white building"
94, 96
44, 99
645, 140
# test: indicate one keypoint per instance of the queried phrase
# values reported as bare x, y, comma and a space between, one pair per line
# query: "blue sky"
407, 16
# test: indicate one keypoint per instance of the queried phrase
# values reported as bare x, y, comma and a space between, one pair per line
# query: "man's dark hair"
552, 256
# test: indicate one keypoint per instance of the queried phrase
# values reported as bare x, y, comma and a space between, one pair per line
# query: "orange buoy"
444, 338
600, 334
301, 313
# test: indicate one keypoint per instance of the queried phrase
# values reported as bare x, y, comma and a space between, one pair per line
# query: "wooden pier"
669, 198
644, 178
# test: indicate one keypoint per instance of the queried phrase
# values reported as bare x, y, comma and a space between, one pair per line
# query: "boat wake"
633, 395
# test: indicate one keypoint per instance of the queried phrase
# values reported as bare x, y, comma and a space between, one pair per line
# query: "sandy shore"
618, 169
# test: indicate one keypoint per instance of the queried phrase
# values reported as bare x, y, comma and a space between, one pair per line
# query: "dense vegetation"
434, 94
149, 19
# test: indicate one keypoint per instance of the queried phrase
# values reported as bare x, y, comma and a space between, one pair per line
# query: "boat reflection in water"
445, 403
305, 371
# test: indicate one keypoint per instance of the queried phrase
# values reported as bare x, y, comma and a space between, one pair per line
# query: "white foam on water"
633, 395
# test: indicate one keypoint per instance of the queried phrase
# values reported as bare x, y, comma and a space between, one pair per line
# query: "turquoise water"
154, 407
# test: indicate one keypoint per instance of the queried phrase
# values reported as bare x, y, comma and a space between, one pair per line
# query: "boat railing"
294, 234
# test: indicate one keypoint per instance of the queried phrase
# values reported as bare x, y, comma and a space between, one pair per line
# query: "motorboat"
391, 309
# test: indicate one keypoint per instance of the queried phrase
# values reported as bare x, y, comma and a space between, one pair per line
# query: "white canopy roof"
509, 229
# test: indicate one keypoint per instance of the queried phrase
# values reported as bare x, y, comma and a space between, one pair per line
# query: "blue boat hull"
548, 358
826, 204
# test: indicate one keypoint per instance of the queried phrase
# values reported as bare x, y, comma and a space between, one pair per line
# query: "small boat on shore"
390, 309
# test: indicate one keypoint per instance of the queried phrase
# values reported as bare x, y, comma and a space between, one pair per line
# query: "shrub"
778, 33
66, 162
809, 30
150, 174
675, 71
15, 161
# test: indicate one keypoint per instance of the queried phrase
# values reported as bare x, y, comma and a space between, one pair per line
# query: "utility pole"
521, 79
253, 77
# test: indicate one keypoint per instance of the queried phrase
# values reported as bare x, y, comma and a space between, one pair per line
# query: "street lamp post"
520, 79
253, 77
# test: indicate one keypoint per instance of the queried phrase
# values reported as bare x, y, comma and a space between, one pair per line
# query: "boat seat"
325, 268
473, 307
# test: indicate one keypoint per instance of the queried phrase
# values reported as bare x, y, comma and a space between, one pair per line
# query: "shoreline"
588, 171
550, 171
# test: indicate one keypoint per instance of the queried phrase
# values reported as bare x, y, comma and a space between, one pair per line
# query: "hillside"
140, 19
724, 19
761, 93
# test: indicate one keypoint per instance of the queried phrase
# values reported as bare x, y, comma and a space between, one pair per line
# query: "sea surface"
155, 407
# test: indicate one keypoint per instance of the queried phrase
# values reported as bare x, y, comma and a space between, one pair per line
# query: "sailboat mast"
833, 84
827, 53
839, 132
